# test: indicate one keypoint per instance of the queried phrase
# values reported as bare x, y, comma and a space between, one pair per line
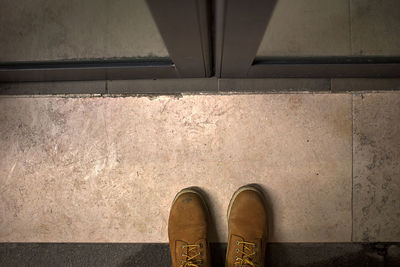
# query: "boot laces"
248, 254
193, 258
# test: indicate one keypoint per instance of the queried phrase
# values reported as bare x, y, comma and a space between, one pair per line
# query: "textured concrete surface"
107, 169
376, 175
333, 28
71, 29
296, 28
375, 27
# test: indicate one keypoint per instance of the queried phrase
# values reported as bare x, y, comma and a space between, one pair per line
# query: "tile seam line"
352, 168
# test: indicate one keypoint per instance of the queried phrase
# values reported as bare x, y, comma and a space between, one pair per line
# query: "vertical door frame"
240, 28
185, 28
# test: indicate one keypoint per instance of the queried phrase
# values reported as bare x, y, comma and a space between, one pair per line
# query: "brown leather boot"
187, 230
247, 228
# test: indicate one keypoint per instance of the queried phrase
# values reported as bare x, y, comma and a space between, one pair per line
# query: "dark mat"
135, 254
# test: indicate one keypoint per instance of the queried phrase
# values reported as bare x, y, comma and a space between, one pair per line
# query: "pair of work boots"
247, 229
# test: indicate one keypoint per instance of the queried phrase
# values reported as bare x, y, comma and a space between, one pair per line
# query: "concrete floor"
333, 28
105, 169
42, 30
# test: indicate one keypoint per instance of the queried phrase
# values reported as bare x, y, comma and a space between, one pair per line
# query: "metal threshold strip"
325, 67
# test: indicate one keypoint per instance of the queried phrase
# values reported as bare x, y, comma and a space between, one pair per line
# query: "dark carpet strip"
153, 254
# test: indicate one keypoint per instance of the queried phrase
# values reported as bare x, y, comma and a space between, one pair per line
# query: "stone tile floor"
103, 169
376, 169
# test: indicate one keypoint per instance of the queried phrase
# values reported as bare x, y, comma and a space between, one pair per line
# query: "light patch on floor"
107, 169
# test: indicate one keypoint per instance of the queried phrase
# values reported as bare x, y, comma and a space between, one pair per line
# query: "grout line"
352, 167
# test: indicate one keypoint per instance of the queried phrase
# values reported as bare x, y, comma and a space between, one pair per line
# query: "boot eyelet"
237, 250
237, 243
183, 246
